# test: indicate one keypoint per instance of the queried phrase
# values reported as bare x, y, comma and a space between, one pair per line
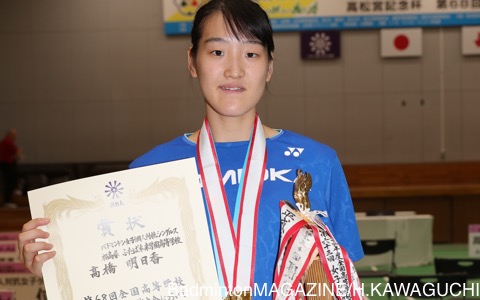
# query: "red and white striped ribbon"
234, 242
303, 235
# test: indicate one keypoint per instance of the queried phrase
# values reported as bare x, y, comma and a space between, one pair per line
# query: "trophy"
311, 264
315, 274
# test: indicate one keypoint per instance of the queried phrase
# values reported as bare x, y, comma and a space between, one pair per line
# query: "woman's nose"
234, 68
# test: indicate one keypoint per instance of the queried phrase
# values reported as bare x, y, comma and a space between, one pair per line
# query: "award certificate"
135, 234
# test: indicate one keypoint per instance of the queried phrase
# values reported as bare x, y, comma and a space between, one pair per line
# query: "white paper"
131, 234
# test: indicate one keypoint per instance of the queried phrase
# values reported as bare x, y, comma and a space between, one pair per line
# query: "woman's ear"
270, 69
191, 63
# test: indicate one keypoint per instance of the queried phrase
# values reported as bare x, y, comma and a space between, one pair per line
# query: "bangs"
238, 27
244, 19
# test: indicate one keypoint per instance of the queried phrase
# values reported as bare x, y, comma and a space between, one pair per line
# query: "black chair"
375, 248
469, 266
428, 286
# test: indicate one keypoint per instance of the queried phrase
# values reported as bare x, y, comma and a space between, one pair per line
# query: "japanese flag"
471, 40
401, 42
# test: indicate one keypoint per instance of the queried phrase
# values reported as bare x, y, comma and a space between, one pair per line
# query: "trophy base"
317, 286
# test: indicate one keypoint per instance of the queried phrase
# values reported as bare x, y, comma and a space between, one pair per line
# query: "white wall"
97, 80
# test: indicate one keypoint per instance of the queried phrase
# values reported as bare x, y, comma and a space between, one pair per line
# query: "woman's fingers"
29, 247
33, 260
39, 259
34, 223
30, 233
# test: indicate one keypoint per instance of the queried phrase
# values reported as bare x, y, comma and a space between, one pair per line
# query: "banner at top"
300, 15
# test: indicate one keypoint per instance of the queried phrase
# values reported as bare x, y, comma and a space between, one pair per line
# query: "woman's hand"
28, 247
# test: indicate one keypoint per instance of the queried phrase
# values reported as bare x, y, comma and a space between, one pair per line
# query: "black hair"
244, 18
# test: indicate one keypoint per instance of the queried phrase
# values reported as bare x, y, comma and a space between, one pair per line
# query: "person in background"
231, 56
9, 155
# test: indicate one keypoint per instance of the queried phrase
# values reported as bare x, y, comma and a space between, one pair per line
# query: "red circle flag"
401, 42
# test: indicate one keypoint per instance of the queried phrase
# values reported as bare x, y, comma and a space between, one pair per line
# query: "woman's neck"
232, 129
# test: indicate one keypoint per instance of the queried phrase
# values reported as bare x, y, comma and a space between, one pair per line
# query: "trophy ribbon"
308, 250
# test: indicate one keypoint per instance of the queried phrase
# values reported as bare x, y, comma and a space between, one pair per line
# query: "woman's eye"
217, 52
252, 55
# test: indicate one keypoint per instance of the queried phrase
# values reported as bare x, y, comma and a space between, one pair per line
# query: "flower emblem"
114, 190
320, 43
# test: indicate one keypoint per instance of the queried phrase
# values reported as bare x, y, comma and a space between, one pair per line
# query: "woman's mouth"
232, 88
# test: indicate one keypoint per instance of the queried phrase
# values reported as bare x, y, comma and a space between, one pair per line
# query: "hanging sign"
300, 15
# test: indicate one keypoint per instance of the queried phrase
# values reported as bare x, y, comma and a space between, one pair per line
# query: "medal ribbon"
300, 237
234, 240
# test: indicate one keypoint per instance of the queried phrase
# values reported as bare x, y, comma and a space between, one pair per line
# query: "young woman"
232, 58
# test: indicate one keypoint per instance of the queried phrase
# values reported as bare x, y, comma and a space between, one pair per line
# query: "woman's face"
232, 73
